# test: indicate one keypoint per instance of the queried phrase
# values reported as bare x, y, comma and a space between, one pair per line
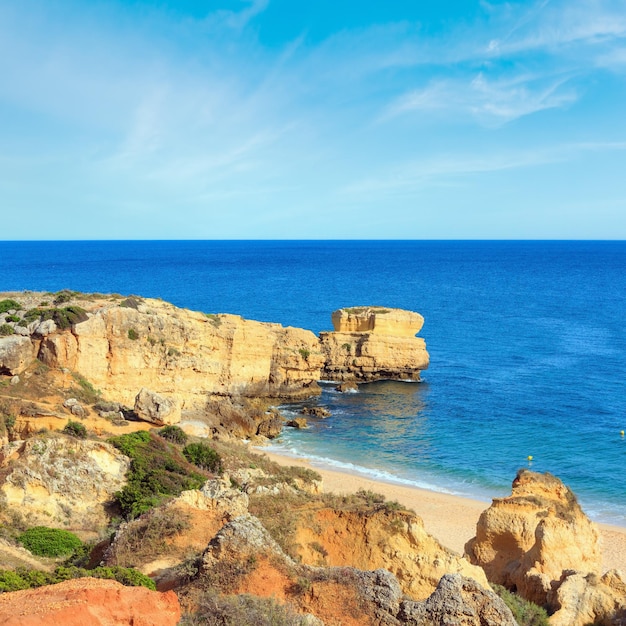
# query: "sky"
312, 119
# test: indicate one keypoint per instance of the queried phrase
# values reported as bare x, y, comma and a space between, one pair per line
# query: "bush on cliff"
174, 434
203, 456
157, 471
525, 613
52, 542
27, 579
9, 305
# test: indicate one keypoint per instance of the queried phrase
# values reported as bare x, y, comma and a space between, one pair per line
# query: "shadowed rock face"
527, 540
89, 601
374, 343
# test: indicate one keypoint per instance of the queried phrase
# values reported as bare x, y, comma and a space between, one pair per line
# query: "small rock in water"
347, 387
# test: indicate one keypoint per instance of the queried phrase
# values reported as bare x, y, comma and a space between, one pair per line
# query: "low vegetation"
147, 538
27, 579
75, 429
50, 542
241, 610
203, 456
175, 434
158, 471
9, 305
6, 330
525, 613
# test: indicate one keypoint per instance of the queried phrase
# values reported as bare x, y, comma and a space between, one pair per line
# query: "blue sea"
527, 343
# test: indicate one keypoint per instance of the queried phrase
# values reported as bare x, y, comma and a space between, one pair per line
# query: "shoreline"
451, 519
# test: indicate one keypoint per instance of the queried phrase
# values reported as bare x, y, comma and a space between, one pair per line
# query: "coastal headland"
131, 411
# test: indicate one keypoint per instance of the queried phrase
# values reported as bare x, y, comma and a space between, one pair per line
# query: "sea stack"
374, 343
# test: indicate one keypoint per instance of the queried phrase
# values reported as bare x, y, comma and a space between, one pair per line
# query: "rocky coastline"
121, 420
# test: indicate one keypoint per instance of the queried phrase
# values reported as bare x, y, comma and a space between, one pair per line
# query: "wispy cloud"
490, 101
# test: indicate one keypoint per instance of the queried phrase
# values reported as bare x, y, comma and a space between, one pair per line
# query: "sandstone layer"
370, 344
89, 602
528, 539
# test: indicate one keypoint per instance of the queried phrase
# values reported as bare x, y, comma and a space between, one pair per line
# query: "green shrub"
12, 318
174, 433
133, 334
525, 613
6, 330
63, 318
203, 456
305, 353
75, 429
9, 305
157, 471
64, 296
52, 542
27, 579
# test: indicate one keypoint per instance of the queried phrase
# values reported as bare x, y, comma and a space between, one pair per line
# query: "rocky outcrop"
528, 539
63, 482
458, 601
216, 495
341, 595
371, 343
89, 602
582, 599
16, 353
393, 540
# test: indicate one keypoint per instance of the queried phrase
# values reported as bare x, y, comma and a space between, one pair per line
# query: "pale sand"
451, 519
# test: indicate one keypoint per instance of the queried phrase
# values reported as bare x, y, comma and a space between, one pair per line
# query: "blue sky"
312, 119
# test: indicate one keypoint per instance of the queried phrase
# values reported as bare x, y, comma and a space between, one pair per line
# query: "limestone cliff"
371, 343
527, 540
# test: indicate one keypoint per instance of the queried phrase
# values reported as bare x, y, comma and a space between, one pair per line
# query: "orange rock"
527, 540
89, 602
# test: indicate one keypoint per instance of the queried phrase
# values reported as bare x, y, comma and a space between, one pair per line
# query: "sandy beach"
451, 519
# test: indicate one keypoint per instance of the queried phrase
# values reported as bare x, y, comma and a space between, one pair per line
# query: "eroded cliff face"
62, 482
393, 540
527, 540
374, 343
185, 356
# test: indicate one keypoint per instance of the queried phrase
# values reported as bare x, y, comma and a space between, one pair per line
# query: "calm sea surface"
527, 343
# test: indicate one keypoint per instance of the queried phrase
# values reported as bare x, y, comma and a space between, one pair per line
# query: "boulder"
297, 422
347, 387
156, 409
271, 426
526, 540
89, 602
377, 320
16, 353
315, 411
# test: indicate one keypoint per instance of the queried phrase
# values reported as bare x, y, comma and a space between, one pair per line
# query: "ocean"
527, 342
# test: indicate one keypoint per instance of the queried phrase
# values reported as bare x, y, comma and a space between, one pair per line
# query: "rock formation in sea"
374, 343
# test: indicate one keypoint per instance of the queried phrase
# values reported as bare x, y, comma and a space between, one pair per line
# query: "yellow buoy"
621, 432
530, 458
